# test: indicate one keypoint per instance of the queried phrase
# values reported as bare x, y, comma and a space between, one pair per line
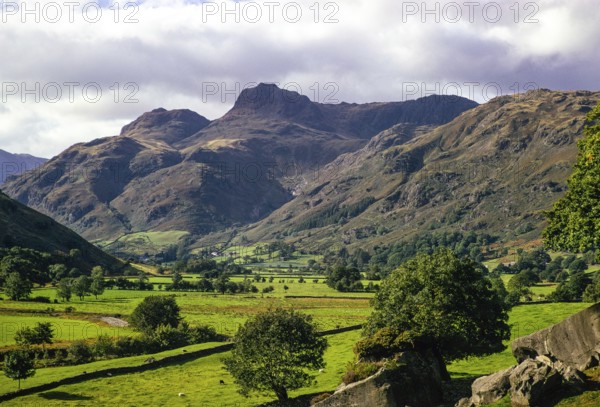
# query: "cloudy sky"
74, 71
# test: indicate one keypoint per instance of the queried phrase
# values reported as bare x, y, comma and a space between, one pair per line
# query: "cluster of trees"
537, 266
39, 267
344, 279
41, 334
21, 268
158, 319
208, 268
221, 284
81, 286
335, 214
383, 259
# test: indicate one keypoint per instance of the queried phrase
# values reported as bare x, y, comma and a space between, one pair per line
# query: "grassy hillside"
23, 226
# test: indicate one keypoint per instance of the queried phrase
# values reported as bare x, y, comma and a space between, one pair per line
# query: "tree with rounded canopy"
274, 351
40, 334
17, 287
81, 286
64, 289
441, 303
97, 285
19, 365
154, 311
574, 220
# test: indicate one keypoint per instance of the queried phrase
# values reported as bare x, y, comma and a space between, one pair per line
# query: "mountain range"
278, 166
493, 169
176, 170
15, 164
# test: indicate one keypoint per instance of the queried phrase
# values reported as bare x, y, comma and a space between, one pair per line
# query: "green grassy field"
50, 374
66, 329
198, 379
223, 312
145, 242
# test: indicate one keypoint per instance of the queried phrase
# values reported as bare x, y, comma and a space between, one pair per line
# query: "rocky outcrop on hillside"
574, 341
416, 381
550, 363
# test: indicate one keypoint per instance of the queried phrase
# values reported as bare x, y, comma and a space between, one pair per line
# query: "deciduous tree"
442, 303
274, 351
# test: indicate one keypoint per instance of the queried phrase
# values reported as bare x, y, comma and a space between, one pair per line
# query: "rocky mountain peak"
270, 101
164, 125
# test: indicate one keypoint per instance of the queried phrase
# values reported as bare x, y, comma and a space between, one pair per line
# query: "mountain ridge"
162, 173
14, 164
492, 169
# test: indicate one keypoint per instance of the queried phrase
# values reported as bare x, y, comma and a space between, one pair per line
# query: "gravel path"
115, 321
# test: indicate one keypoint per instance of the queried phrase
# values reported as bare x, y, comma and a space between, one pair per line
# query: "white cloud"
189, 55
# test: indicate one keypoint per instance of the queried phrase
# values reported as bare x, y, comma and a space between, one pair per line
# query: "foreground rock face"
488, 389
532, 383
550, 360
574, 341
416, 382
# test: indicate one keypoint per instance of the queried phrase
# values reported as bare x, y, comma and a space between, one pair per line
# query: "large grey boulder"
416, 382
574, 341
488, 389
532, 382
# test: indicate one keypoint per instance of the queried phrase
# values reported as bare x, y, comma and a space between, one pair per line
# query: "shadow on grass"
457, 388
62, 395
300, 401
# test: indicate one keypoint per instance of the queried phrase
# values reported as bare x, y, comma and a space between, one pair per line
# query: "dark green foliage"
573, 221
273, 351
201, 334
80, 352
572, 289
104, 346
343, 278
17, 287
64, 289
382, 343
41, 334
444, 303
82, 286
578, 266
592, 291
154, 311
168, 337
19, 365
360, 371
387, 258
334, 214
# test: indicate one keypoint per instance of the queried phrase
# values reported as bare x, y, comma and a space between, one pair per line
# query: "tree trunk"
440, 359
281, 393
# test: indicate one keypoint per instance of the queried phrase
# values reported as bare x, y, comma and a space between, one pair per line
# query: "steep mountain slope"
24, 227
493, 169
15, 164
175, 170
